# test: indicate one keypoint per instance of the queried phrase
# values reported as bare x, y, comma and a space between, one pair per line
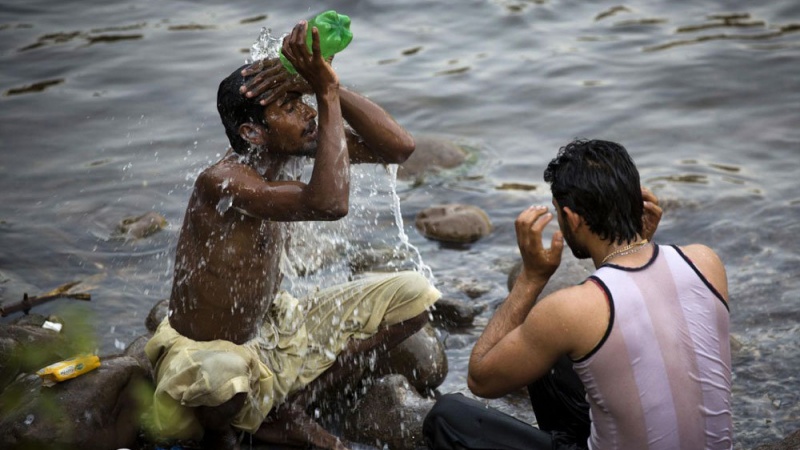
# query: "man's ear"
574, 219
254, 134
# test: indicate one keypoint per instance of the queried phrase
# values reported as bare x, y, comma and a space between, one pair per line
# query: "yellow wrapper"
69, 368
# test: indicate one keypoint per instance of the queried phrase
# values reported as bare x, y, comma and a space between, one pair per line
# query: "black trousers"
457, 422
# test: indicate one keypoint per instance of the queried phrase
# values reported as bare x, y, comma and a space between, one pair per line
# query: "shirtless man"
646, 334
235, 347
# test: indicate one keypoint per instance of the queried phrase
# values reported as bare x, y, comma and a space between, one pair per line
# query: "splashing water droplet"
265, 46
224, 204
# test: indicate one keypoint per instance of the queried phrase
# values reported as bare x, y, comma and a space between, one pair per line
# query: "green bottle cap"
334, 35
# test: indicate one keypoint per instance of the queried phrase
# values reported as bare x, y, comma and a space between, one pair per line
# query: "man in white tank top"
647, 334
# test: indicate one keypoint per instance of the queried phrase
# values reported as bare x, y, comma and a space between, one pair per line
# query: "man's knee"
446, 409
413, 288
443, 420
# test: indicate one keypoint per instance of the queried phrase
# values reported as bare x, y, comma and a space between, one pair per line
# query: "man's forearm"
511, 314
379, 131
330, 178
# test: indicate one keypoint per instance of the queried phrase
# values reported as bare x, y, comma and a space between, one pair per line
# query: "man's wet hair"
235, 109
598, 180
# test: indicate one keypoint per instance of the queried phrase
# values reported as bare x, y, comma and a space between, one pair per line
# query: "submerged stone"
141, 226
431, 155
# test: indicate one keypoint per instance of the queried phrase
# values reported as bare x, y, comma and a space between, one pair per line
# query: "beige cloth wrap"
299, 340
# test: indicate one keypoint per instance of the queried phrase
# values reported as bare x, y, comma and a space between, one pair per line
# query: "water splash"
265, 46
314, 256
370, 238
420, 265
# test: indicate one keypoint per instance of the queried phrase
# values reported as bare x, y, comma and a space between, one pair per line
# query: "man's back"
661, 376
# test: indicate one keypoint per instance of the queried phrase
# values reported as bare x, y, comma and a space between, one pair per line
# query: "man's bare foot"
291, 425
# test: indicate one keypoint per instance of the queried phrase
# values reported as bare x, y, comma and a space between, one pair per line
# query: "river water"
108, 110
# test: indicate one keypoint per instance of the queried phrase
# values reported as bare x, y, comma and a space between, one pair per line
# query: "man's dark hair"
235, 109
599, 181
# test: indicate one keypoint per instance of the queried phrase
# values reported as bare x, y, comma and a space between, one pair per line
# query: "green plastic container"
334, 35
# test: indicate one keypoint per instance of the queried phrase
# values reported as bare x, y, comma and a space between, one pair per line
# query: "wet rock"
136, 351
140, 227
381, 259
391, 414
26, 347
453, 313
431, 155
472, 288
455, 223
571, 272
791, 442
420, 359
156, 315
97, 410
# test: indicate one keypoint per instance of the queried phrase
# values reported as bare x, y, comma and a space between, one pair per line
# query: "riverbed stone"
26, 347
156, 315
572, 271
432, 154
136, 351
97, 410
421, 359
456, 223
390, 413
452, 313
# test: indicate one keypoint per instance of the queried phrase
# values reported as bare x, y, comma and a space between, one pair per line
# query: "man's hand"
538, 262
271, 81
311, 66
651, 215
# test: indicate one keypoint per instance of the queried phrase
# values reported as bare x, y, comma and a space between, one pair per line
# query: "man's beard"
578, 250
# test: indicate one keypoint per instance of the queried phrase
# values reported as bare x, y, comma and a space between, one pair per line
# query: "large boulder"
420, 359
390, 413
456, 223
26, 346
97, 410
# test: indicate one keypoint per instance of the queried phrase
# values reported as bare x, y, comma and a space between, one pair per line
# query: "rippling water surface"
107, 110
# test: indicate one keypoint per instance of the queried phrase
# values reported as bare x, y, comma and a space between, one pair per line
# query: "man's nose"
311, 112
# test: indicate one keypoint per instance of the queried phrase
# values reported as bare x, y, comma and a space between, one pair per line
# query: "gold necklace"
627, 250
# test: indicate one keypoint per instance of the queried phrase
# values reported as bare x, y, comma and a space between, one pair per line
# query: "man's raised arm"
380, 138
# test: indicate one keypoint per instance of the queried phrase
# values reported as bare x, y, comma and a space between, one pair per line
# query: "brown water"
108, 110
